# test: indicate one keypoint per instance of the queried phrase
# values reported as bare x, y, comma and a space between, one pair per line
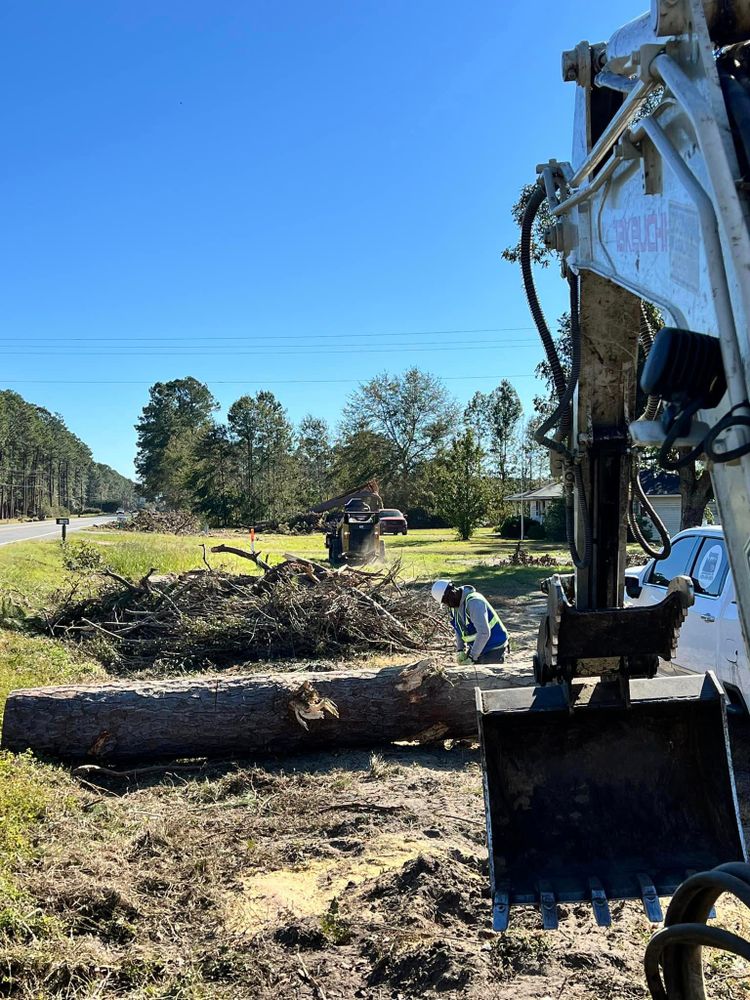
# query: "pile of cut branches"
522, 557
163, 522
297, 609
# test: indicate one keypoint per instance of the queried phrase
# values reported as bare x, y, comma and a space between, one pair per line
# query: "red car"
392, 522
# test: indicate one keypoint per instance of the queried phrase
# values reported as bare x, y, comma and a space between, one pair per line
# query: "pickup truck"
711, 637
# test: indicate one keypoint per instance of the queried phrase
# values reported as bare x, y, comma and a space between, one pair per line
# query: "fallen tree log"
257, 713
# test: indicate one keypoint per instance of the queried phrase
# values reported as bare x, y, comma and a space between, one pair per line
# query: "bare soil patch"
320, 876
338, 875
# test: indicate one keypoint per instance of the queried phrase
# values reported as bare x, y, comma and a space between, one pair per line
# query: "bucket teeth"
599, 903
548, 906
501, 911
650, 898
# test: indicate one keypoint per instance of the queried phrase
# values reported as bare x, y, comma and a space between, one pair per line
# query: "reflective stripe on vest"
492, 616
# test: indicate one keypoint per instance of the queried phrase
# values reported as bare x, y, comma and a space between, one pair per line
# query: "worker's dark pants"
496, 655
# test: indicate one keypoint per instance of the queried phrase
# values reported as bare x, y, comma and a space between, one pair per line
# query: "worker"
480, 635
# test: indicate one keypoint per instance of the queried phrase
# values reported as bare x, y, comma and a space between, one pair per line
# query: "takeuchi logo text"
638, 233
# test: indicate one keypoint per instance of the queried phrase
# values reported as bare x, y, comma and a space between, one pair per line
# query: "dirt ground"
325, 876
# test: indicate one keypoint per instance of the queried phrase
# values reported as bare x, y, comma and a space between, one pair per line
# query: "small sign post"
64, 521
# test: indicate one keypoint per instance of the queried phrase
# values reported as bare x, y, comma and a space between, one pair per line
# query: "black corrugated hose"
673, 962
647, 342
560, 418
636, 490
527, 224
646, 335
579, 561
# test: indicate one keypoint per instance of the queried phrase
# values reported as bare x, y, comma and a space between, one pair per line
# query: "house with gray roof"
661, 488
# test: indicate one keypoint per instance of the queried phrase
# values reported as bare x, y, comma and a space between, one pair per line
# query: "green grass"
27, 790
30, 661
32, 572
35, 569
431, 553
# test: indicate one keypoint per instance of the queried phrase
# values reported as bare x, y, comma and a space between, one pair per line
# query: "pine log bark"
273, 713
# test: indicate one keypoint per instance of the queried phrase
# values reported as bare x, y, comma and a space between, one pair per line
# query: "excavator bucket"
598, 799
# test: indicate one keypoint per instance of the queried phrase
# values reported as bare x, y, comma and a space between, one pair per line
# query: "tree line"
401, 430
47, 470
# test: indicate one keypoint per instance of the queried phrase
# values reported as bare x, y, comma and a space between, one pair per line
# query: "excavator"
605, 780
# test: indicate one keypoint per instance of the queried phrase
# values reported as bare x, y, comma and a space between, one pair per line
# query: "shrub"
511, 528
647, 529
554, 521
421, 517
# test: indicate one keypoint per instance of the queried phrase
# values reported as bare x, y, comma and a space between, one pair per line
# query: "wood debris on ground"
163, 522
296, 609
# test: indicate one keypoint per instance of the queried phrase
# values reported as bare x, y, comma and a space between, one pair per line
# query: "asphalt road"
46, 529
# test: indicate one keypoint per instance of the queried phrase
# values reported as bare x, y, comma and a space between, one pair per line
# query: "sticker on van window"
709, 567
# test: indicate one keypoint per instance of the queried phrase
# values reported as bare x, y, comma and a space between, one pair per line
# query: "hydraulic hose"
565, 389
636, 490
580, 560
561, 415
527, 223
673, 962
646, 335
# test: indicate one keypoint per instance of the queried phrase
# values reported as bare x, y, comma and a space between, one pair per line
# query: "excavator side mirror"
633, 587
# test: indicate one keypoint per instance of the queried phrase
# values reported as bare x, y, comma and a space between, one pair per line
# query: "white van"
711, 637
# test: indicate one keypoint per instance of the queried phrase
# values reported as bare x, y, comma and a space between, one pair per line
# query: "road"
46, 529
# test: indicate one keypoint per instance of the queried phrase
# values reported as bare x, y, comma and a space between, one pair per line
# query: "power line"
255, 381
302, 336
200, 352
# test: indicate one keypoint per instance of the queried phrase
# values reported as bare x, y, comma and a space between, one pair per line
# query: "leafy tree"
412, 413
361, 455
494, 417
260, 427
540, 254
47, 470
459, 488
168, 430
213, 478
108, 490
314, 460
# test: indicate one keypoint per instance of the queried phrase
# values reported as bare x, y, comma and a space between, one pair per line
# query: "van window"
678, 562
710, 568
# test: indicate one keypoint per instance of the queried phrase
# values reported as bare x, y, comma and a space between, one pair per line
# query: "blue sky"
285, 194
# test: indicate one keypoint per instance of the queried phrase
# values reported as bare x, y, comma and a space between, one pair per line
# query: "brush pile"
206, 619
163, 522
522, 557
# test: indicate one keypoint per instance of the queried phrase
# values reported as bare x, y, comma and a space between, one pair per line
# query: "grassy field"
328, 875
35, 569
32, 573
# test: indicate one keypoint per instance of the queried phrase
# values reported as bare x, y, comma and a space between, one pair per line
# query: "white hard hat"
439, 588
